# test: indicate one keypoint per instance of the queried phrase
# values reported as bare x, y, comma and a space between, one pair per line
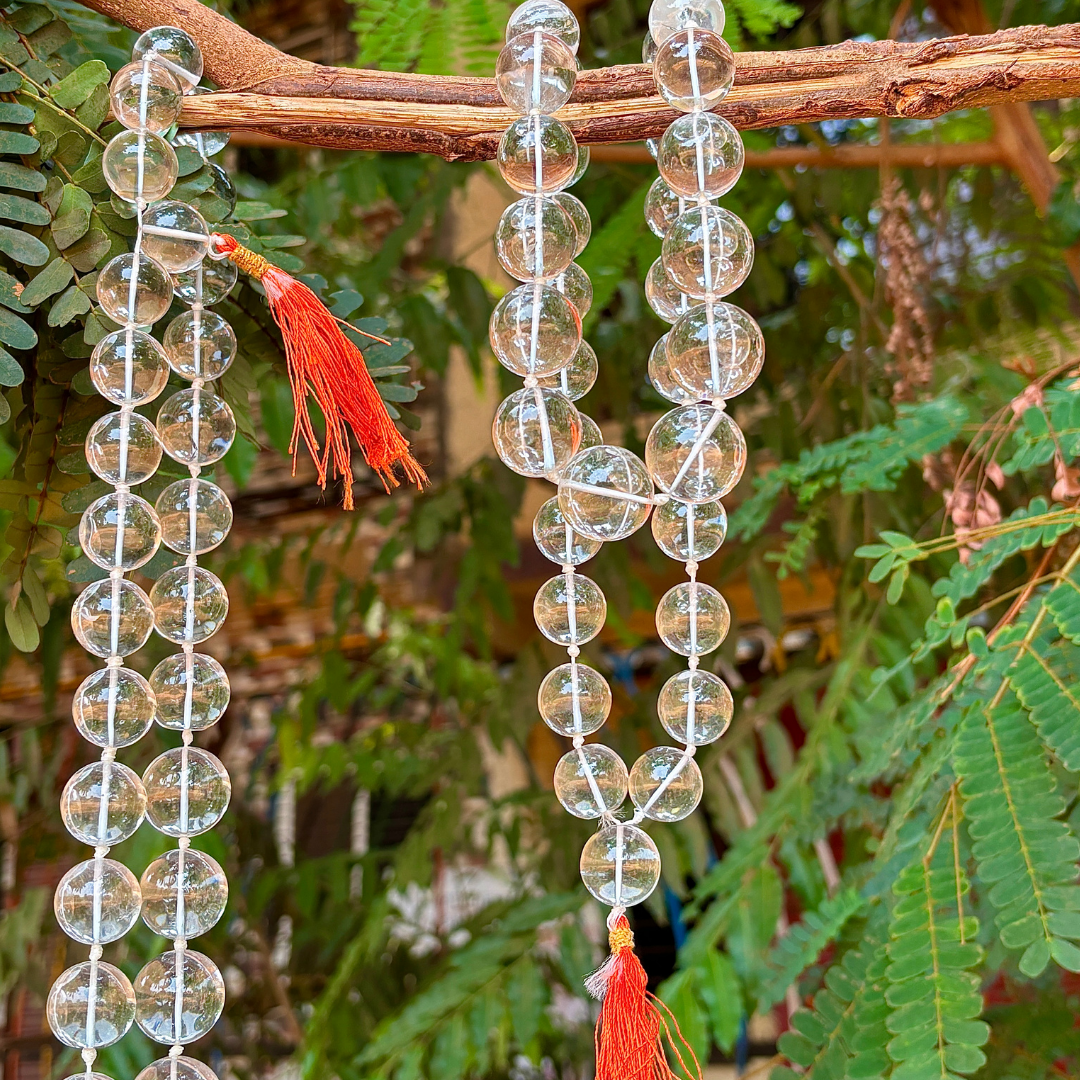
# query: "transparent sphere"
594, 488
535, 73
190, 604
567, 713
551, 16
692, 618
534, 330
215, 278
577, 378
128, 367
106, 887
665, 785
222, 187
570, 609
535, 239
175, 253
591, 435
200, 881
700, 154
196, 427
648, 50
575, 285
694, 70
174, 48
181, 1068
667, 17
584, 156
715, 350
579, 215
557, 540
662, 207
112, 617
199, 345
123, 448
205, 143
620, 865
696, 453
150, 298
662, 379
195, 516
120, 164
574, 789
69, 1001
146, 97
663, 296
201, 989
113, 706
695, 707
103, 803
536, 431
686, 531
708, 252
192, 692
187, 791
120, 531
652, 145
537, 154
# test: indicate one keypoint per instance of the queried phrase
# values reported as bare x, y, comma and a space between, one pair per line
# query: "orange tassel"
323, 362
631, 1030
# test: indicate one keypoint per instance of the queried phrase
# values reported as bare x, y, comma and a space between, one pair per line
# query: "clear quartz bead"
665, 784
200, 988
112, 617
222, 188
663, 295
176, 253
195, 516
123, 448
689, 531
119, 531
584, 156
578, 793
569, 713
662, 378
534, 330
536, 431
535, 239
696, 453
535, 73
694, 70
199, 345
700, 154
569, 609
692, 618
103, 803
577, 378
593, 490
97, 901
120, 165
187, 791
537, 155
146, 97
193, 877
205, 143
648, 50
196, 427
215, 278
178, 1068
695, 707
550, 16
662, 207
578, 215
134, 288
173, 47
667, 17
557, 540
72, 1018
113, 706
575, 285
128, 367
620, 865
191, 693
715, 350
591, 435
190, 604
708, 252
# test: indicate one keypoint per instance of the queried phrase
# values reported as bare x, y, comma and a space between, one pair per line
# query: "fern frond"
1037, 440
1046, 679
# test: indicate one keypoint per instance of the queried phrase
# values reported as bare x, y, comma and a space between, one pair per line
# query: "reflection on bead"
687, 531
120, 165
700, 154
68, 1006
662, 379
662, 207
97, 901
199, 345
196, 427
200, 988
584, 156
715, 350
557, 540
692, 618
113, 707
146, 97
190, 694
119, 531
103, 803
593, 488
695, 707
536, 431
222, 188
535, 73
123, 448
128, 367
179, 1068
112, 617
190, 604
586, 773
648, 50
667, 17
218, 278
591, 435
150, 298
551, 16
534, 330
173, 47
198, 879
569, 609
575, 285
537, 154
195, 516
620, 865
578, 215
176, 253
663, 295
665, 785
577, 378
187, 791
567, 713
696, 453
694, 70
535, 239
708, 251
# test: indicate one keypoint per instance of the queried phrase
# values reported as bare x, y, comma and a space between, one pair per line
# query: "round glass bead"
123, 448
708, 251
715, 350
97, 901
663, 296
191, 693
535, 73
662, 379
222, 187
556, 700
692, 618
575, 285
667, 17
537, 155
535, 330
151, 82
591, 435
205, 143
180, 1068
103, 803
218, 278
69, 1005
665, 765
673, 523
584, 156
696, 453
574, 790
536, 431
201, 990
620, 865
112, 617
535, 239
176, 425
152, 292
569, 609
128, 367
174, 48
577, 378
694, 70
187, 791
652, 145
578, 215
662, 207
190, 604
175, 253
648, 50
593, 493
120, 165
120, 531
551, 16
113, 707
199, 345
195, 516
557, 540
700, 154
201, 883
695, 707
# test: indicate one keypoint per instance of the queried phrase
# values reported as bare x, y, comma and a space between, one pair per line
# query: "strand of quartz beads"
93, 1004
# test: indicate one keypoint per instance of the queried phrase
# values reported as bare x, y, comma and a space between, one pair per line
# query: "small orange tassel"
631, 1028
323, 362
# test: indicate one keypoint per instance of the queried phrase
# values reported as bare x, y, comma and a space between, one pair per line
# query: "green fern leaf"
1046, 679
1063, 605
